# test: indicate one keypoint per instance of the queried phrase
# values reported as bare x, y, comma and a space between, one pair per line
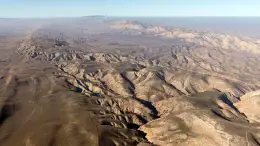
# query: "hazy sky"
63, 8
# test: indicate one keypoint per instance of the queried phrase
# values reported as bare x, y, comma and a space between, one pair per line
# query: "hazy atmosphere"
129, 73
67, 8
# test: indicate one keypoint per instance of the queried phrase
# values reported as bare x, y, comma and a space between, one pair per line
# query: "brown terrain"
103, 82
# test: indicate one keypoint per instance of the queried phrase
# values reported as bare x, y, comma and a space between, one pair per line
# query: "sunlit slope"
130, 84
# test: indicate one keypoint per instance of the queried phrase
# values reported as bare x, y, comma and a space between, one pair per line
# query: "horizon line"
63, 17
55, 17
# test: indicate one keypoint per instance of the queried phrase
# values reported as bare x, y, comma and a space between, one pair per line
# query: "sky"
134, 8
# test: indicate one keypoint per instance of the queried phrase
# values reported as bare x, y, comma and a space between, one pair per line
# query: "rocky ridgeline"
206, 39
189, 97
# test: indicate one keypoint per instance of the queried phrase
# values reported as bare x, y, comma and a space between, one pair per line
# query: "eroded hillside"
132, 84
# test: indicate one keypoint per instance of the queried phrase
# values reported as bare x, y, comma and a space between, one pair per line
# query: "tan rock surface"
125, 83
